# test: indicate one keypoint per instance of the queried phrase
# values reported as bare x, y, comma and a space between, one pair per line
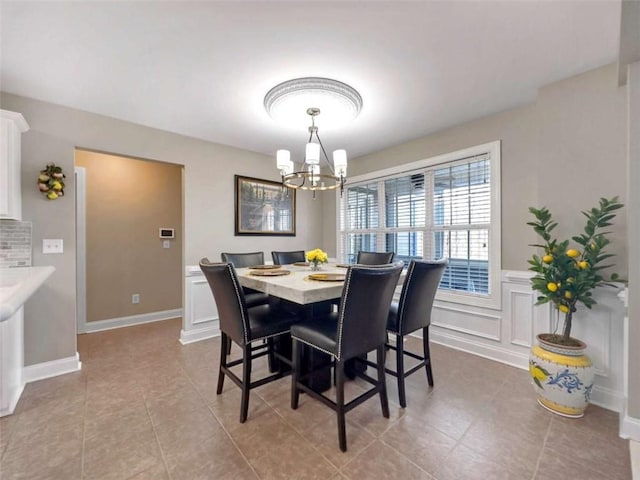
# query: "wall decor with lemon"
51, 181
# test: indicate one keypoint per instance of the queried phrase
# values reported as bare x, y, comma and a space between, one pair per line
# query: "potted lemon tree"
565, 276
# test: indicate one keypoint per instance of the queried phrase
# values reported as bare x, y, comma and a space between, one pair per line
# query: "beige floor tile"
464, 463
382, 462
145, 407
423, 445
553, 466
121, 454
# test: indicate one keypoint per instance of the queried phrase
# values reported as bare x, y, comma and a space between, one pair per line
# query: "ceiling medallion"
288, 101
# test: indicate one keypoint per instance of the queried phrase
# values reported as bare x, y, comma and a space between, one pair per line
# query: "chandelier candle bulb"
312, 155
283, 157
340, 162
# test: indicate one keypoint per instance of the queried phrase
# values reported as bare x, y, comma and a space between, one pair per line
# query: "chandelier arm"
326, 158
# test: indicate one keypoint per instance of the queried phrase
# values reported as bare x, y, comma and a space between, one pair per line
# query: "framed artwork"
264, 207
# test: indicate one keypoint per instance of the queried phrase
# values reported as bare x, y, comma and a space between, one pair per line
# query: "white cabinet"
12, 125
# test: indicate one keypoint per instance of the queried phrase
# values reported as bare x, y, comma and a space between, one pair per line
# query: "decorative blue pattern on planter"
567, 380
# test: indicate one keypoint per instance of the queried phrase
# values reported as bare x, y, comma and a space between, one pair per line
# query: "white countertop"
17, 285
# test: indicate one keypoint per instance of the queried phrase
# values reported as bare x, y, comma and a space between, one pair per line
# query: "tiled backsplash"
15, 244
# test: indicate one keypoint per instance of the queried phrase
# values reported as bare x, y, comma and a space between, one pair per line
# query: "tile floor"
144, 407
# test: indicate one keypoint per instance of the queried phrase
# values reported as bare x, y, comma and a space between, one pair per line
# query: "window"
445, 207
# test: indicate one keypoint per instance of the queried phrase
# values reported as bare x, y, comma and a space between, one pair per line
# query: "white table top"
295, 287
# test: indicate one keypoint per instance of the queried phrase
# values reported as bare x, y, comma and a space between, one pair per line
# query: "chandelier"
286, 101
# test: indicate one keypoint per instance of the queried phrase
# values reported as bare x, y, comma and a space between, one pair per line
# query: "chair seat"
321, 332
264, 322
254, 298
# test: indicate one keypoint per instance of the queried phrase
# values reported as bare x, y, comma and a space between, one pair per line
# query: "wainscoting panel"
507, 335
200, 320
478, 323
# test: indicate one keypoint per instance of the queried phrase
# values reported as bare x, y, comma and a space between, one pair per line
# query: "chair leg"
246, 382
223, 362
228, 349
342, 432
384, 400
427, 355
296, 364
400, 369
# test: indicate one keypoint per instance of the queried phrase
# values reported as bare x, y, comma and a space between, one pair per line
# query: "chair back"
286, 258
229, 297
364, 308
374, 258
241, 260
419, 290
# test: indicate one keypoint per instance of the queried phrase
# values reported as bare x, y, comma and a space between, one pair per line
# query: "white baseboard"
629, 426
492, 352
607, 398
120, 322
198, 334
40, 371
634, 448
13, 402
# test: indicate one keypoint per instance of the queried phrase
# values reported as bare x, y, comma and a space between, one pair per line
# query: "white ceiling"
202, 68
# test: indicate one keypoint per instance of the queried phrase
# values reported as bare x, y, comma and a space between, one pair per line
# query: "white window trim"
494, 300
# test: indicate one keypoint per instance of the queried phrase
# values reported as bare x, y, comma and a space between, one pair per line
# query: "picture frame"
264, 207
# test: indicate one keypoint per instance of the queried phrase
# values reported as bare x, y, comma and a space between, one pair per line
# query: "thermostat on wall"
167, 233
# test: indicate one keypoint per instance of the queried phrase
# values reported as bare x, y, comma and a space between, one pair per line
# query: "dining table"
309, 293
296, 283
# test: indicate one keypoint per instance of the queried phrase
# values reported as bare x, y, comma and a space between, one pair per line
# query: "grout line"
155, 434
544, 443
84, 425
224, 429
407, 458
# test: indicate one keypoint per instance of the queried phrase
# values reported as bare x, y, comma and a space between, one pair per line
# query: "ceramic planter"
562, 377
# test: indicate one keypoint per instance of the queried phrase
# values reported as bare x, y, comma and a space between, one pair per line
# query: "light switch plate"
52, 245
166, 244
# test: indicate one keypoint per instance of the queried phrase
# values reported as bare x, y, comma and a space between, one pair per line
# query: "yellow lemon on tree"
573, 253
547, 258
563, 309
568, 295
583, 264
552, 287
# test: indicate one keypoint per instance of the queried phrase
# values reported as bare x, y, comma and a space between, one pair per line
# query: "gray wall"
564, 151
633, 343
50, 316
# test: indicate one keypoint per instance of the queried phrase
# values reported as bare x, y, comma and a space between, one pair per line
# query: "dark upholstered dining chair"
286, 258
245, 326
374, 258
241, 260
412, 312
358, 327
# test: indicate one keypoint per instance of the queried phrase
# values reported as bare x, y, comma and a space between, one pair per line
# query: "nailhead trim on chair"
315, 346
404, 298
347, 284
245, 327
